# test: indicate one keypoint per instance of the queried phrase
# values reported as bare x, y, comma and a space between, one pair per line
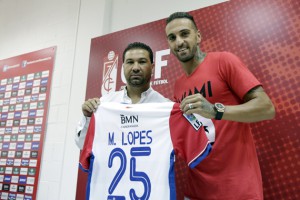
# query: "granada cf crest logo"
109, 79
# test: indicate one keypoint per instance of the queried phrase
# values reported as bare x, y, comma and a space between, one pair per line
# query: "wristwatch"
220, 109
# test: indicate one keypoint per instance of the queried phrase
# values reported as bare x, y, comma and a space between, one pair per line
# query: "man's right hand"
90, 106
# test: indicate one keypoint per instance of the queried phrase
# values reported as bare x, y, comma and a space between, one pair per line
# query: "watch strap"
220, 109
219, 115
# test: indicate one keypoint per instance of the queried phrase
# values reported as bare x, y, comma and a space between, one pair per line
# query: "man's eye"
171, 38
184, 34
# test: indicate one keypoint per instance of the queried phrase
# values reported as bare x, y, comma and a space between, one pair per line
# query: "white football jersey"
130, 149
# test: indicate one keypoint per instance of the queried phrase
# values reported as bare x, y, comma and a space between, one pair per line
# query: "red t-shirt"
231, 171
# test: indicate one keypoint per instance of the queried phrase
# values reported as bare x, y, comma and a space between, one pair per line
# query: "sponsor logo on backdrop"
21, 188
9, 162
5, 187
7, 178
110, 68
160, 62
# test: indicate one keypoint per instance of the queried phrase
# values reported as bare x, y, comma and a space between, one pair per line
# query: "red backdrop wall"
266, 36
25, 83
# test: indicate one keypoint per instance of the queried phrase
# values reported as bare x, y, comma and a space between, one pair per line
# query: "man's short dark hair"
138, 45
178, 15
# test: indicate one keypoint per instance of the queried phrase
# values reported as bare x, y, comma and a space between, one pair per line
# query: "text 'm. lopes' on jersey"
129, 151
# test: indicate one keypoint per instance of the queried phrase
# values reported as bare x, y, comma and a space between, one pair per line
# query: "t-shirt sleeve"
188, 136
86, 153
236, 74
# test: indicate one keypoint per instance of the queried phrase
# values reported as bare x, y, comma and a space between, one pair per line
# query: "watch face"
220, 107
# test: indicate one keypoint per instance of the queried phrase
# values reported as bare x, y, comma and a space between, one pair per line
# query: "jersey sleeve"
86, 153
236, 74
188, 136
81, 131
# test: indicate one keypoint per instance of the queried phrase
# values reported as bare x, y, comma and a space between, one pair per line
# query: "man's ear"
198, 37
153, 67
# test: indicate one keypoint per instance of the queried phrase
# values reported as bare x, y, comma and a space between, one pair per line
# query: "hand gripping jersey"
129, 151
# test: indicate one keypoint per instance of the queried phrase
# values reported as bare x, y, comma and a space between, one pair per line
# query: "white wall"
129, 13
30, 25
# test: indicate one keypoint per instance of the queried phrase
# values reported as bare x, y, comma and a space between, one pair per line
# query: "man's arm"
88, 107
81, 131
257, 107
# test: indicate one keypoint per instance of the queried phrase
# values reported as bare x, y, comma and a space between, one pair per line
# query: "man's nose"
179, 41
136, 67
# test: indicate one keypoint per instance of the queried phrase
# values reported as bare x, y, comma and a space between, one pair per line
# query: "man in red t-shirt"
226, 97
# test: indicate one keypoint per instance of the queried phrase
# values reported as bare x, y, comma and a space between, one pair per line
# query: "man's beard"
189, 57
138, 82
185, 59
